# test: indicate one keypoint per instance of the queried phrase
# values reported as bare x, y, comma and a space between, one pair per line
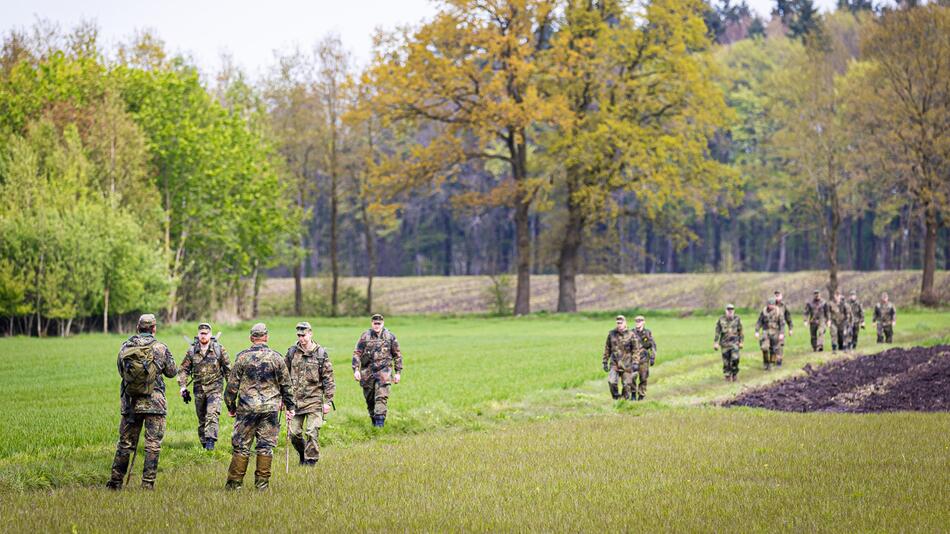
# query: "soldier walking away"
207, 364
816, 317
786, 316
771, 324
885, 315
857, 318
729, 339
621, 358
839, 323
142, 363
646, 356
377, 364
311, 375
257, 385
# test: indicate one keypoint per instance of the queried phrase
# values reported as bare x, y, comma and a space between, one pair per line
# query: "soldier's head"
853, 296
204, 333
770, 304
304, 333
621, 322
816, 294
884, 296
146, 324
778, 297
259, 333
837, 294
639, 321
376, 322
730, 310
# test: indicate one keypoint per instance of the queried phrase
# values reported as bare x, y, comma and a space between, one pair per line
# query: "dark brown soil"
916, 379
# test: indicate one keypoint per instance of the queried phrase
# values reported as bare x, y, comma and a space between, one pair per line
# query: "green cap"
303, 325
204, 326
638, 319
259, 330
816, 292
772, 301
146, 321
730, 306
621, 318
854, 293
377, 317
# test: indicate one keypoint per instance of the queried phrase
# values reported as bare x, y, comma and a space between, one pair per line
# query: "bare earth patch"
915, 379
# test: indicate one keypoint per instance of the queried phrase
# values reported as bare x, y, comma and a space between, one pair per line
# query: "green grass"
499, 423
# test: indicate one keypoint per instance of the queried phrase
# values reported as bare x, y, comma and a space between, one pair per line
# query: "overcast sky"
248, 31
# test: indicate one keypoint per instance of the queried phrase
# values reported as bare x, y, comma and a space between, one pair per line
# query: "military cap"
776, 292
303, 325
204, 326
816, 292
730, 306
377, 317
638, 319
259, 330
854, 293
621, 318
772, 302
146, 321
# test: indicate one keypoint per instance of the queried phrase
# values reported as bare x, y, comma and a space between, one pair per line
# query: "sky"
248, 31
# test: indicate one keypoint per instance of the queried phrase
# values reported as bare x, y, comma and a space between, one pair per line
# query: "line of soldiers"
260, 385
628, 355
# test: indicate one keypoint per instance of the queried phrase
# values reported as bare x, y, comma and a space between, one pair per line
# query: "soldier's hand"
715, 346
290, 415
756, 334
789, 332
781, 337
396, 378
740, 345
326, 409
605, 368
356, 375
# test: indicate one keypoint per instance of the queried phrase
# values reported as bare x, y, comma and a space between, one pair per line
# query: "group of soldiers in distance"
260, 385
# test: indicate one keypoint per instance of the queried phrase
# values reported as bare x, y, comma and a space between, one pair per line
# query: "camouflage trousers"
130, 426
855, 330
618, 375
642, 375
840, 336
885, 333
376, 395
817, 335
305, 434
259, 427
730, 361
208, 408
772, 348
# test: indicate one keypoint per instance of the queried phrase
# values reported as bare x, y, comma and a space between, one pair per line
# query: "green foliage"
498, 295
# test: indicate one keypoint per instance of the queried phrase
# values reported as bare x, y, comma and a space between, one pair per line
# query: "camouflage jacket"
857, 311
155, 403
839, 313
770, 322
377, 356
208, 369
884, 313
786, 315
311, 374
622, 349
816, 311
729, 332
258, 382
647, 344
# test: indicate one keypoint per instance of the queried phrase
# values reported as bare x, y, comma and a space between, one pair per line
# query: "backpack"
139, 369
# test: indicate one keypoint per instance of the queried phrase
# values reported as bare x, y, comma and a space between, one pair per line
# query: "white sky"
249, 31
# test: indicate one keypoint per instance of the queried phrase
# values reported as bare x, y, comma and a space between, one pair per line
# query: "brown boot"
236, 471
262, 473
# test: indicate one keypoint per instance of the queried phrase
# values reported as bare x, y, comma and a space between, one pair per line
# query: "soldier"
729, 337
142, 362
816, 316
885, 315
839, 323
257, 385
857, 317
207, 362
786, 315
647, 356
771, 323
311, 374
377, 363
621, 358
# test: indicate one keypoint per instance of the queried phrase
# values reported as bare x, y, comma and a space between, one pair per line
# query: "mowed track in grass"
491, 402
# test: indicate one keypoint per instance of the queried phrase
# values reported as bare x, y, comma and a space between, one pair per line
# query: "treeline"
524, 136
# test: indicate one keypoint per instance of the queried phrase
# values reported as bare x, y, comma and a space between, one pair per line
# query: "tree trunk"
105, 311
519, 170
927, 295
833, 248
447, 224
568, 259
258, 279
370, 254
298, 288
782, 251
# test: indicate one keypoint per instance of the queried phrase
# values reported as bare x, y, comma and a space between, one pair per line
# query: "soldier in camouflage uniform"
258, 383
816, 317
377, 363
786, 318
885, 315
647, 356
857, 318
311, 374
207, 362
839, 323
729, 338
621, 358
771, 324
146, 411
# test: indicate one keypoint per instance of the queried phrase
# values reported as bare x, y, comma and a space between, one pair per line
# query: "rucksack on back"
139, 370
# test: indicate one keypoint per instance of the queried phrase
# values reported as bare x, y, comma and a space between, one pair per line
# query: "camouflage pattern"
729, 336
816, 314
260, 426
377, 357
857, 320
259, 382
786, 315
621, 358
143, 412
771, 329
208, 410
311, 375
647, 357
208, 366
839, 315
305, 435
884, 315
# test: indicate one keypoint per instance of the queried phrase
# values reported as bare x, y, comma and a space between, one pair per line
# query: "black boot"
298, 446
209, 445
150, 470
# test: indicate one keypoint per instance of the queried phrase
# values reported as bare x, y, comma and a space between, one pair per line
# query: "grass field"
499, 424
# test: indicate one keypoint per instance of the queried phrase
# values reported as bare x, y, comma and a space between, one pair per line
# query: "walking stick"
287, 451
135, 450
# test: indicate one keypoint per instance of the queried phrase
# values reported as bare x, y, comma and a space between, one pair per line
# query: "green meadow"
498, 424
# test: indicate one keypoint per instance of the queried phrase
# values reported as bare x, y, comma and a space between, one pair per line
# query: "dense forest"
520, 136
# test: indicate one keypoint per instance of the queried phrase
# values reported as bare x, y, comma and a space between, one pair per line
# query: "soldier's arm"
224, 361
329, 385
760, 323
607, 351
234, 381
718, 335
652, 347
397, 355
283, 382
185, 368
788, 319
169, 369
358, 353
739, 330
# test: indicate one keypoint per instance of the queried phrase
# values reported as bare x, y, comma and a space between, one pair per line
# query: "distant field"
468, 294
